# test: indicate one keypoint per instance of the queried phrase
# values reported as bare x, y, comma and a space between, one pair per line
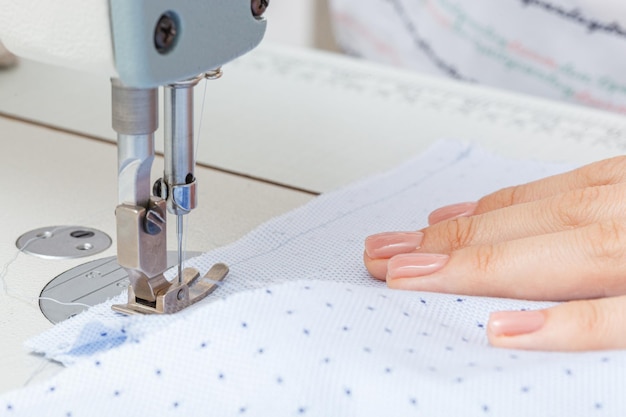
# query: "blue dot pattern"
299, 328
323, 240
432, 361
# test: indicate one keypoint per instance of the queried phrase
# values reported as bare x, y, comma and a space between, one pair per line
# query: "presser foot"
178, 295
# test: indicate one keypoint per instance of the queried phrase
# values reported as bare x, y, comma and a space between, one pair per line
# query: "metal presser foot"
141, 250
141, 218
175, 296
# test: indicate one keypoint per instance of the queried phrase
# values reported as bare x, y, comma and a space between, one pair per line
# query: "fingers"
380, 247
452, 212
605, 172
562, 212
386, 245
560, 238
586, 262
577, 325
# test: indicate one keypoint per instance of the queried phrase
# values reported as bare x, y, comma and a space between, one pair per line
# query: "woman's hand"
559, 238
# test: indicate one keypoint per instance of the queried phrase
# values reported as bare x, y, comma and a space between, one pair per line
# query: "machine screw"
159, 189
259, 7
153, 222
165, 33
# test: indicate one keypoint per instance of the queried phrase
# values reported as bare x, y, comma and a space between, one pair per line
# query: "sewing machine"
142, 45
284, 125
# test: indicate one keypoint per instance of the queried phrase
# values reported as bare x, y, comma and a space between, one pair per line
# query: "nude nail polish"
515, 323
386, 245
452, 211
413, 265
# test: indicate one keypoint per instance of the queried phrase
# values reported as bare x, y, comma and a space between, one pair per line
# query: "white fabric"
562, 49
314, 335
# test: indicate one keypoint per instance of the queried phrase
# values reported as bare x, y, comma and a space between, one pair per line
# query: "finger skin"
565, 211
586, 262
605, 172
562, 212
376, 267
574, 326
559, 238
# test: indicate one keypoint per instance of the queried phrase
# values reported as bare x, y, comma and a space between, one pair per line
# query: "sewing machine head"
143, 45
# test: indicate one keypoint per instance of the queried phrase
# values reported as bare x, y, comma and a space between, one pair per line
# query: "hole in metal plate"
63, 242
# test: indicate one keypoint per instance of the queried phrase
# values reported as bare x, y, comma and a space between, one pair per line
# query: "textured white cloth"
560, 49
314, 335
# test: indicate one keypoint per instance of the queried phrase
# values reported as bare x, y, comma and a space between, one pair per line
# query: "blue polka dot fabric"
299, 328
317, 348
323, 240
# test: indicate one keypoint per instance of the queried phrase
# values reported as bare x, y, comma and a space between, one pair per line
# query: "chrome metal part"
135, 110
63, 242
214, 74
88, 284
179, 146
179, 236
135, 119
177, 296
135, 157
178, 179
140, 218
141, 253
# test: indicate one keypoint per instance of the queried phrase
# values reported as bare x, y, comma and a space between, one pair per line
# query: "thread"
63, 303
5, 271
9, 292
5, 268
198, 135
201, 118
44, 364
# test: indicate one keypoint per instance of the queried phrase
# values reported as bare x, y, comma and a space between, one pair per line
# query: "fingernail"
515, 323
386, 245
412, 265
452, 211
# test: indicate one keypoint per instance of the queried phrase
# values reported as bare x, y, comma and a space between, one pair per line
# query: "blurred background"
302, 23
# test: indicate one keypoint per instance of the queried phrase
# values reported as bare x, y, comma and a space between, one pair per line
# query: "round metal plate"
63, 242
90, 283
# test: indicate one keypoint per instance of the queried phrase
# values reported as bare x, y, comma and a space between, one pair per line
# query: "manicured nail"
452, 211
412, 265
386, 245
515, 323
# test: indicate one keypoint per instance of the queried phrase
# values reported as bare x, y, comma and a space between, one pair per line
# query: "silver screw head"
165, 33
259, 7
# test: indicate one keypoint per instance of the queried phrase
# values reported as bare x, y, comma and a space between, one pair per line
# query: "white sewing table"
279, 127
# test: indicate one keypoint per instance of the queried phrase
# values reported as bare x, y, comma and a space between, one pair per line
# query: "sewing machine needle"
179, 234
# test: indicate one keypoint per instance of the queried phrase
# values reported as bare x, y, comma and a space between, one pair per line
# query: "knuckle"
576, 207
485, 260
606, 242
460, 232
505, 197
590, 318
608, 171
